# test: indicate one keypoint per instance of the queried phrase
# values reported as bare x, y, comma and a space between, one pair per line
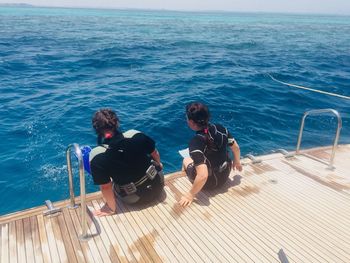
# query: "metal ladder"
336, 138
84, 236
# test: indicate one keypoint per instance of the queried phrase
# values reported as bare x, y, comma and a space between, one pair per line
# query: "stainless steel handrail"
72, 205
253, 158
336, 138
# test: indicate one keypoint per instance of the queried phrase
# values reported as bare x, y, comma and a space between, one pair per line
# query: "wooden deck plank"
281, 233
51, 240
81, 250
143, 239
219, 243
255, 225
29, 249
182, 232
341, 159
315, 194
21, 250
104, 251
59, 239
287, 199
334, 251
38, 255
336, 179
226, 223
309, 210
293, 216
285, 232
172, 240
67, 243
85, 246
322, 169
153, 234
13, 242
119, 229
165, 222
44, 239
95, 236
125, 228
114, 228
302, 182
110, 243
238, 213
276, 207
238, 230
195, 232
88, 246
341, 156
203, 217
4, 243
136, 245
318, 193
259, 248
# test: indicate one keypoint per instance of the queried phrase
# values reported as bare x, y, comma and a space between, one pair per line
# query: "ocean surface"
58, 66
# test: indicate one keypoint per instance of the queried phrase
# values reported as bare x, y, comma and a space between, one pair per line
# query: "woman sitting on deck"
209, 164
128, 161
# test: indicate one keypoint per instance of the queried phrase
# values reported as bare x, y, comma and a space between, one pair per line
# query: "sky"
281, 6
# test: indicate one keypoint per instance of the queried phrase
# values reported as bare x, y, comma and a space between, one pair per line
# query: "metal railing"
72, 205
253, 158
336, 138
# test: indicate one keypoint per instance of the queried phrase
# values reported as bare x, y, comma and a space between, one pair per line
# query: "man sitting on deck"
127, 162
209, 164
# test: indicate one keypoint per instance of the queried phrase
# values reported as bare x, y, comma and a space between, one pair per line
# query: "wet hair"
105, 119
198, 113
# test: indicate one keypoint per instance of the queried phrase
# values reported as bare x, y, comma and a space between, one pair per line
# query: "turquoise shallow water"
57, 66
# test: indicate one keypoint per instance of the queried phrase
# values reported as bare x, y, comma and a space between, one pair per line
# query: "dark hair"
199, 113
105, 119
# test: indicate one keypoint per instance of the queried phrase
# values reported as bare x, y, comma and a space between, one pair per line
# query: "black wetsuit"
209, 146
125, 160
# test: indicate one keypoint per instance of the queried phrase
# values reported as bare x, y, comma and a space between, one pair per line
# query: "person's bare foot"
104, 211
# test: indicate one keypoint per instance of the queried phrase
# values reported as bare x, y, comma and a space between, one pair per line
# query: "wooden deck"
294, 204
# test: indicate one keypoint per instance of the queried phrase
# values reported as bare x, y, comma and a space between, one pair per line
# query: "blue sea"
58, 66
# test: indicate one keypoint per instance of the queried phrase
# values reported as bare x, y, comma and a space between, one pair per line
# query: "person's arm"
110, 207
149, 145
156, 157
99, 166
199, 182
236, 156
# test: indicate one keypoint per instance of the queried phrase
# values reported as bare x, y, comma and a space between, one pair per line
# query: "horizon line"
25, 5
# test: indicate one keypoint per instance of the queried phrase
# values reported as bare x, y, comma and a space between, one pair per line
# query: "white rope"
305, 88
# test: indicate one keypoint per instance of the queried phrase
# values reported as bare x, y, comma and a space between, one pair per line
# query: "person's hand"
186, 199
104, 211
237, 166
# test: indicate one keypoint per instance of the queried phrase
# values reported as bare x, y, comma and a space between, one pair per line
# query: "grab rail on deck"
253, 158
72, 205
336, 138
285, 153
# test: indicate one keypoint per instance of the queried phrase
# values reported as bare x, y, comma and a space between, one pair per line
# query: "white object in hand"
184, 153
